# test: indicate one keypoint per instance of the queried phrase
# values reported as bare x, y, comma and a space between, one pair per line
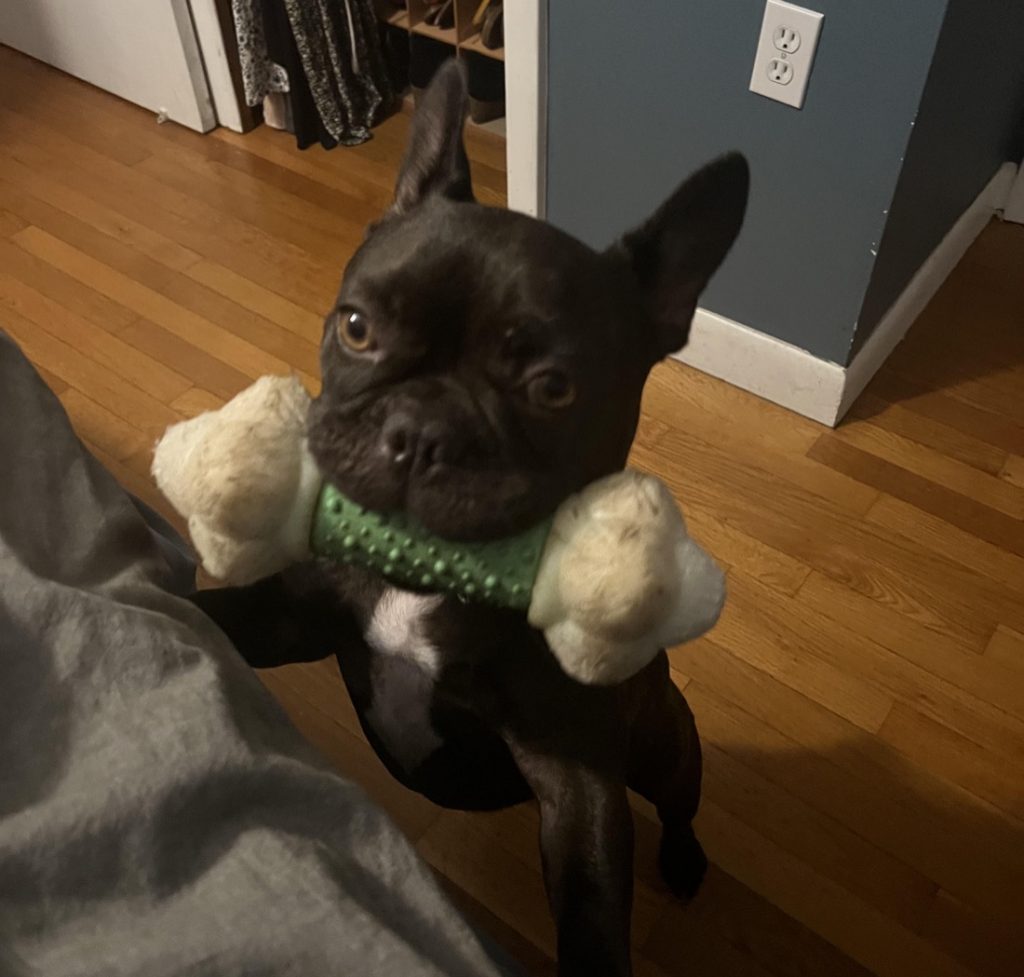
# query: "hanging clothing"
329, 55
282, 49
339, 43
260, 75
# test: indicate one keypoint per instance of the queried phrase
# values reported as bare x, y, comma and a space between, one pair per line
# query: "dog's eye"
355, 331
552, 389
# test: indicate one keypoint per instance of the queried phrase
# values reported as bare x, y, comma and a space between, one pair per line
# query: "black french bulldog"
478, 367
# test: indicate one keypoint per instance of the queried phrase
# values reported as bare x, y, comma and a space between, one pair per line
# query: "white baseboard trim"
817, 388
1014, 209
764, 365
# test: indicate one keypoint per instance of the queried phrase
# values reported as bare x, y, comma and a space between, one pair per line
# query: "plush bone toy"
610, 578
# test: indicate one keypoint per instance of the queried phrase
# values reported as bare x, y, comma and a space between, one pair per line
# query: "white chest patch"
397, 627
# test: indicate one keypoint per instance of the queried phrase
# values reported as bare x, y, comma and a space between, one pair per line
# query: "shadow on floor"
969, 341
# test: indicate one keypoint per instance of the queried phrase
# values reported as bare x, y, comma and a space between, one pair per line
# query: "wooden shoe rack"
463, 36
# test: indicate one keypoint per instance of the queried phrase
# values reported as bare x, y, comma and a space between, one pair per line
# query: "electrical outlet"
780, 72
786, 39
785, 52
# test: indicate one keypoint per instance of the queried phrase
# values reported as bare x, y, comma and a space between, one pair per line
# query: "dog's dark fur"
484, 324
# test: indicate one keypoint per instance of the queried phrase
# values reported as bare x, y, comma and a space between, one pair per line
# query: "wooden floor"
861, 701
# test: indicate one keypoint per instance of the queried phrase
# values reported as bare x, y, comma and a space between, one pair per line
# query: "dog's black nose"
398, 438
409, 443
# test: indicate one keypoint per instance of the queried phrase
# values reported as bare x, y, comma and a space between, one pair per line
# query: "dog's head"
479, 365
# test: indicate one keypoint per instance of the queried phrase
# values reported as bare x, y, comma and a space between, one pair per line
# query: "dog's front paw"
682, 862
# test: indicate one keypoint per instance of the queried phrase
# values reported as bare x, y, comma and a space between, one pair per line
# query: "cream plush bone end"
244, 479
621, 578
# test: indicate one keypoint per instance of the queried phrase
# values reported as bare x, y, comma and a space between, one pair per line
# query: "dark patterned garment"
326, 54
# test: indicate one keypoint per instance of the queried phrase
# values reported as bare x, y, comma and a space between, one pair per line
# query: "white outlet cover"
807, 23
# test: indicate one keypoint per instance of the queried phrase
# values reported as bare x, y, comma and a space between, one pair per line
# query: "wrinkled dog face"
480, 365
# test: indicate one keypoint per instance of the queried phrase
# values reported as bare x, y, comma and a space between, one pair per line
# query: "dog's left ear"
676, 251
436, 161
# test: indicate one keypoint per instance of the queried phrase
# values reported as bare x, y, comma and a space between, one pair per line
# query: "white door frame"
526, 62
215, 60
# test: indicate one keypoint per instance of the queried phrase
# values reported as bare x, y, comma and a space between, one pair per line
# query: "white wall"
143, 50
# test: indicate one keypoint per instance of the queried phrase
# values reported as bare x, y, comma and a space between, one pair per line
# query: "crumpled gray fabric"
158, 813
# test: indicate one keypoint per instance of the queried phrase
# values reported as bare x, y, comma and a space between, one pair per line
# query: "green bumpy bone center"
500, 572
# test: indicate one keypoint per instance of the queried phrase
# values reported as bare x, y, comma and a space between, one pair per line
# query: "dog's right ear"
436, 161
677, 250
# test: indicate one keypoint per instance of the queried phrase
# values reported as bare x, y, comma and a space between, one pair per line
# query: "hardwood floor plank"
942, 657
949, 541
972, 516
373, 191
98, 383
976, 422
209, 231
47, 204
930, 465
207, 371
675, 393
860, 657
934, 746
1013, 471
807, 527
947, 441
24, 85
342, 222
253, 361
992, 948
195, 401
730, 929
733, 548
949, 836
298, 355
54, 382
1000, 249
531, 958
256, 208
701, 951
340, 199
868, 937
120, 120
252, 296
1007, 648
100, 427
797, 653
997, 391
41, 216
79, 205
774, 450
837, 852
10, 223
460, 847
92, 341
81, 299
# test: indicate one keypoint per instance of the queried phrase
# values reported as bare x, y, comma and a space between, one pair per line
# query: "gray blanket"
158, 813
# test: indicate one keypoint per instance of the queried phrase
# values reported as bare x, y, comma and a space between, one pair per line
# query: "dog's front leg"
586, 838
292, 616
